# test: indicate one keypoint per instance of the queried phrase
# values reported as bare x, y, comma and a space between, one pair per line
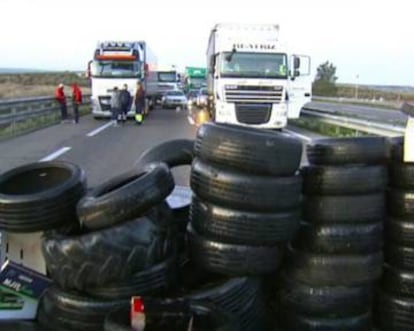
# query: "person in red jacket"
76, 100
61, 99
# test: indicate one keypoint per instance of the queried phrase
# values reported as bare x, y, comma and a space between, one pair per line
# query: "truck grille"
253, 94
253, 113
105, 103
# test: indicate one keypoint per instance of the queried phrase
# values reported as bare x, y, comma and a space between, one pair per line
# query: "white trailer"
252, 79
116, 63
165, 78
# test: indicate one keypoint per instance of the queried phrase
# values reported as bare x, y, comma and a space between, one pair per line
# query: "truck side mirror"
296, 63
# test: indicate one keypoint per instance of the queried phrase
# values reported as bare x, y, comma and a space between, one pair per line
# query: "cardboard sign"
409, 141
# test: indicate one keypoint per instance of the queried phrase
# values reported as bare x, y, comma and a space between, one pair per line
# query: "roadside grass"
325, 128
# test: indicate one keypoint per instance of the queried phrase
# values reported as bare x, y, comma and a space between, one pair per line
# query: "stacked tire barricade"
334, 261
394, 309
247, 240
246, 206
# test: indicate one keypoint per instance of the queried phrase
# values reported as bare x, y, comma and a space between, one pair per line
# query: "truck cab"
252, 78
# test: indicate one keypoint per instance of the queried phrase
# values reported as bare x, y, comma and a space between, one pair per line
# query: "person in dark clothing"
61, 99
115, 105
139, 101
125, 99
76, 101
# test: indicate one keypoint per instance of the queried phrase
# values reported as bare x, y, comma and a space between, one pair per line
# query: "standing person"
139, 103
61, 99
76, 101
125, 97
115, 105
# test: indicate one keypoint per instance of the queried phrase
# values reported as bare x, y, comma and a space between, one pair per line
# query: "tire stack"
394, 308
125, 246
245, 208
334, 261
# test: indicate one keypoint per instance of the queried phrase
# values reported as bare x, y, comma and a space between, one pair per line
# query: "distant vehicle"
116, 63
253, 79
195, 78
173, 99
165, 78
202, 97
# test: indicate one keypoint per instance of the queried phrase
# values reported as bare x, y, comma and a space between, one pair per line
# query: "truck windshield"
130, 69
254, 65
170, 76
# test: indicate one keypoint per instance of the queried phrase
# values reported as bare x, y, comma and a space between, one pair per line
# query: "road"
103, 150
377, 114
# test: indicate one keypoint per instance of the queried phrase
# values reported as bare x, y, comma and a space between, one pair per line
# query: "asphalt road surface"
377, 114
102, 150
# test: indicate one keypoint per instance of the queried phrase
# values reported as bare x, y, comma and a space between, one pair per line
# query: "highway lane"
102, 150
377, 114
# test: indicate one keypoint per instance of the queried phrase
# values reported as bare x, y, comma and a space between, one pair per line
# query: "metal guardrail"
367, 126
15, 114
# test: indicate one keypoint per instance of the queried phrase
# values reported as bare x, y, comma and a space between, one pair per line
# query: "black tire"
231, 259
333, 270
239, 296
105, 256
397, 282
40, 196
237, 191
249, 150
401, 203
206, 318
400, 231
292, 321
62, 310
125, 197
325, 301
393, 313
396, 149
344, 180
402, 175
340, 238
242, 227
155, 281
341, 151
19, 326
399, 256
344, 209
173, 153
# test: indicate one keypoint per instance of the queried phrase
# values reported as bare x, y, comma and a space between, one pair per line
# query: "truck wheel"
333, 270
246, 149
230, 259
343, 180
242, 227
125, 196
40, 196
320, 301
106, 256
235, 190
368, 208
341, 151
340, 238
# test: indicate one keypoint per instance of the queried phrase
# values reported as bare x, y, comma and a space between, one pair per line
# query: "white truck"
116, 63
252, 79
165, 78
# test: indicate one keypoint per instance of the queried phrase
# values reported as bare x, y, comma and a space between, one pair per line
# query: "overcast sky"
370, 39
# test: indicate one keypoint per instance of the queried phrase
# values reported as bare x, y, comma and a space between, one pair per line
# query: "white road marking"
300, 136
101, 128
56, 154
